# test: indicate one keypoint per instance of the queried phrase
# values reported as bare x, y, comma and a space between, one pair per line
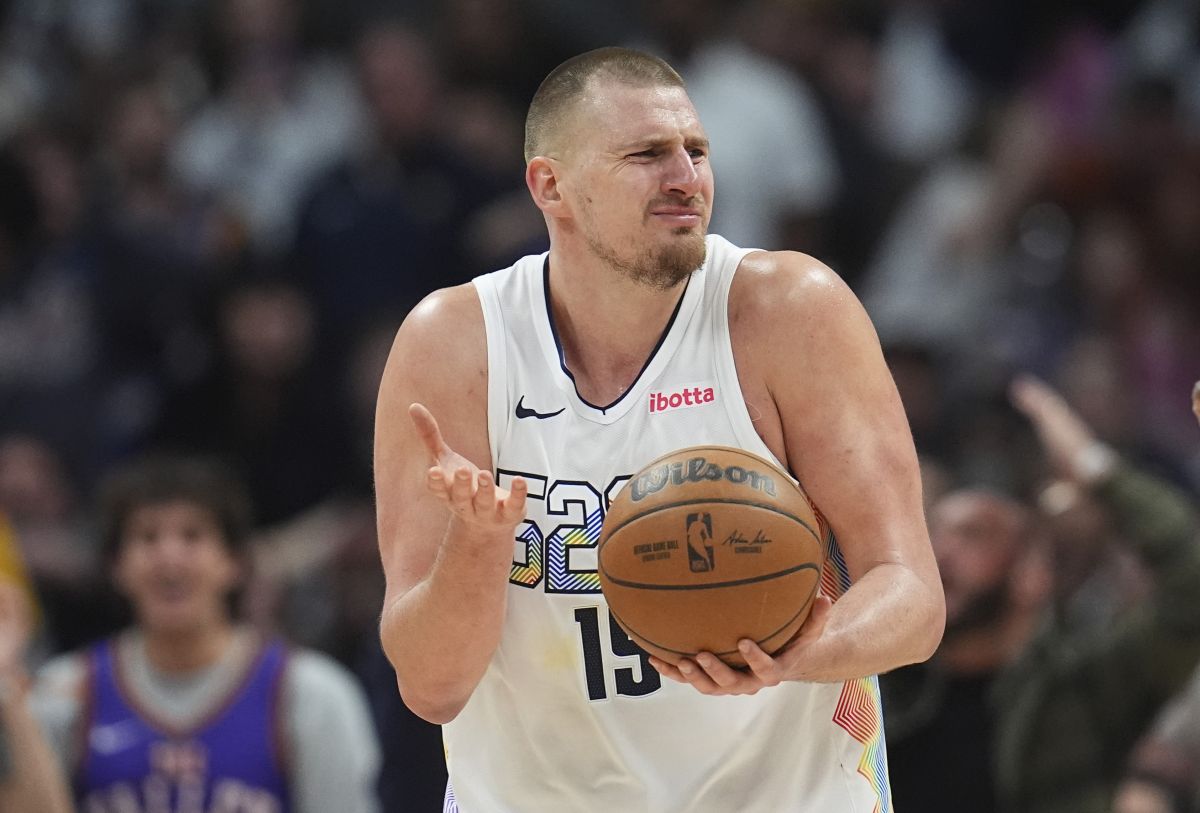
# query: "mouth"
172, 591
677, 216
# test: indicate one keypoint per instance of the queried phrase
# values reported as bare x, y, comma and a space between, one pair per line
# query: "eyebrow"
645, 143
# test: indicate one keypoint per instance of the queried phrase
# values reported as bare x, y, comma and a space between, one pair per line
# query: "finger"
462, 488
435, 480
667, 670
428, 430
513, 509
721, 673
762, 665
485, 493
1196, 400
814, 625
696, 676
1029, 394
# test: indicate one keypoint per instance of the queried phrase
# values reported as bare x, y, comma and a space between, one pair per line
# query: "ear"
542, 176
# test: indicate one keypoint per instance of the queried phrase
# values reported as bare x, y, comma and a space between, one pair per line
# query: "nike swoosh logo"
525, 412
115, 737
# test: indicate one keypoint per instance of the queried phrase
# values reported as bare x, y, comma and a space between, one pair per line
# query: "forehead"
613, 114
974, 515
172, 513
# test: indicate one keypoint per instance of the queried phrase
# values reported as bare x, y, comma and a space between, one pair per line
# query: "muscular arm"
847, 439
446, 555
814, 376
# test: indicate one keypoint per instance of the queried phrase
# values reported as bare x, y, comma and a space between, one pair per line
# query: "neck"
174, 652
608, 324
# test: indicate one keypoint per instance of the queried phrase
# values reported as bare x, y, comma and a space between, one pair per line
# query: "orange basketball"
706, 546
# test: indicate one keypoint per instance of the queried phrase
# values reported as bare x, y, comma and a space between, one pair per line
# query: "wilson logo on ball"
696, 470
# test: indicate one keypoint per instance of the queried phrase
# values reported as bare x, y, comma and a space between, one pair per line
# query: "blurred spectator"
385, 226
160, 249
48, 324
264, 406
413, 774
279, 118
1008, 186
187, 704
1164, 772
919, 377
14, 571
30, 777
42, 505
317, 575
925, 98
941, 714
1057, 708
497, 45
489, 132
771, 153
588, 24
928, 285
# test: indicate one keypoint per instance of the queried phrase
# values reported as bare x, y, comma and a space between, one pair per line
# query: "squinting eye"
644, 154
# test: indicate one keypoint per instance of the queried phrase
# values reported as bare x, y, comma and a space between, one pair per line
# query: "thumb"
814, 625
428, 430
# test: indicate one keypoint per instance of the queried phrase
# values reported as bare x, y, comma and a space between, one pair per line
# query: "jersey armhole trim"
497, 364
726, 365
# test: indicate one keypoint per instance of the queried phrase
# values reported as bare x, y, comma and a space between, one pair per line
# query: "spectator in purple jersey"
187, 710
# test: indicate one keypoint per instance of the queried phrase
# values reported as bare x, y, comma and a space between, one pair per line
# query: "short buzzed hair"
565, 85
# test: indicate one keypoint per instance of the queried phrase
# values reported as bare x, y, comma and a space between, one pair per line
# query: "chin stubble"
660, 269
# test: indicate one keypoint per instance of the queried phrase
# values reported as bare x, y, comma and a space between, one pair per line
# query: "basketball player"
187, 712
540, 377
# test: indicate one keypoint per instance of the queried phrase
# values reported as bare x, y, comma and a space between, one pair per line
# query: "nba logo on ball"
665, 531
699, 540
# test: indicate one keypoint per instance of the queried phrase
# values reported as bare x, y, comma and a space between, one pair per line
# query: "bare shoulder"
439, 359
774, 284
440, 348
446, 321
785, 300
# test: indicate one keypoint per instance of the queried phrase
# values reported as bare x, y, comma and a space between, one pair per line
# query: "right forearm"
34, 782
441, 634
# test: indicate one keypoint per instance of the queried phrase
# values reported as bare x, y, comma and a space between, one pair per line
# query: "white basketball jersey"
569, 715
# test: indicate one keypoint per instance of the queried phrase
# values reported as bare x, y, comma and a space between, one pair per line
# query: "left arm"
843, 432
33, 780
334, 754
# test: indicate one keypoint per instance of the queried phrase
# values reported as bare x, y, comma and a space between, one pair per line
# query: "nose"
170, 548
680, 175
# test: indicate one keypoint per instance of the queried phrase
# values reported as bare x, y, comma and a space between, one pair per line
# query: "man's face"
976, 541
637, 179
174, 567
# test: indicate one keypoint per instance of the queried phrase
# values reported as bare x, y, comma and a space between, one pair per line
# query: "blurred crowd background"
215, 213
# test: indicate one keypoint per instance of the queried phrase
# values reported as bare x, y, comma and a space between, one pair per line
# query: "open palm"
470, 492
